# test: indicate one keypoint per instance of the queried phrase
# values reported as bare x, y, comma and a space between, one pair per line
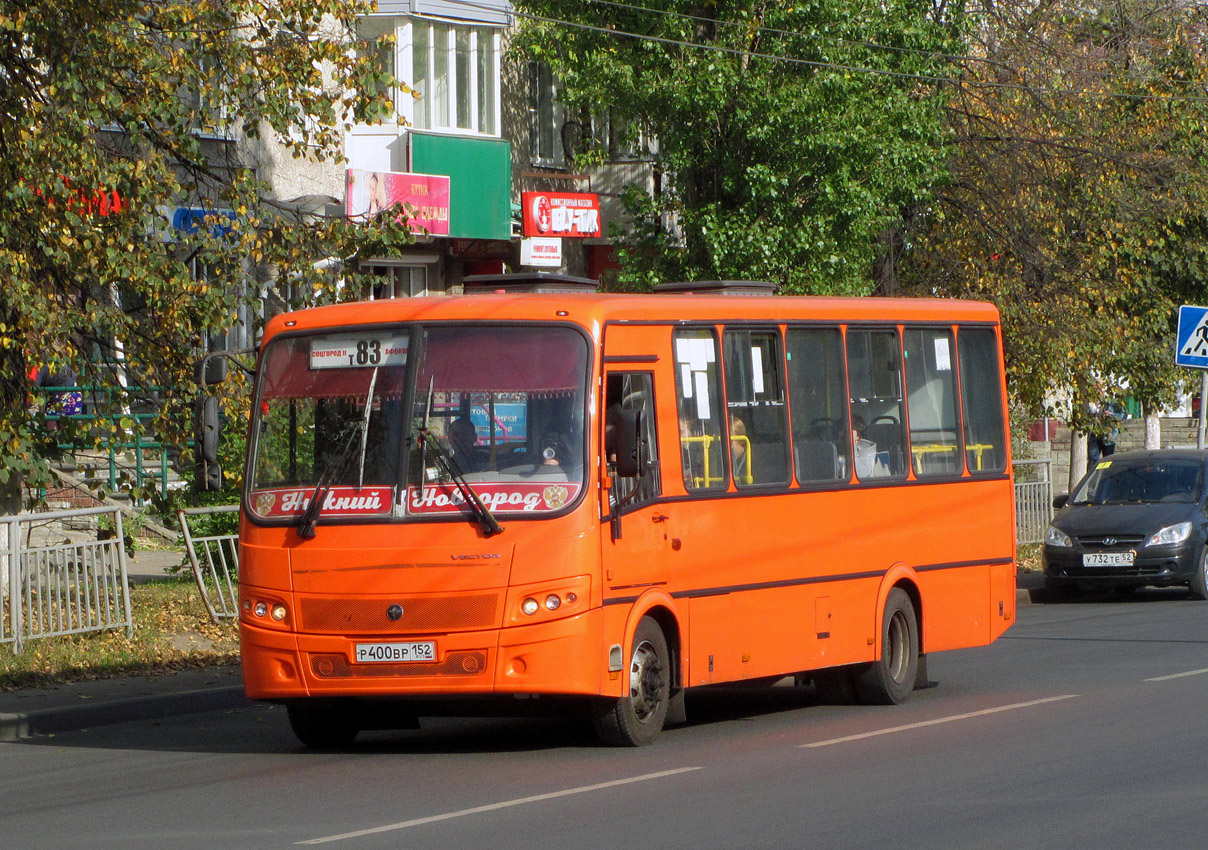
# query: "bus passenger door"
634, 551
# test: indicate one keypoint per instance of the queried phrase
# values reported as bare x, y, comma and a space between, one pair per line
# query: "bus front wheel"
323, 723
636, 720
890, 679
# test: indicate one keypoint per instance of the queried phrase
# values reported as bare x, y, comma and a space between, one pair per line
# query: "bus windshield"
502, 406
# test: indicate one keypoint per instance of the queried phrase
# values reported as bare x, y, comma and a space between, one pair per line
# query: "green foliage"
1079, 196
115, 113
790, 136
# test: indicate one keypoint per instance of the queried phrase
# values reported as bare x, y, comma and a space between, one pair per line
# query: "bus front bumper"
558, 657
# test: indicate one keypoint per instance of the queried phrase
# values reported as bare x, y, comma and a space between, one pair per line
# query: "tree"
1078, 196
790, 136
115, 111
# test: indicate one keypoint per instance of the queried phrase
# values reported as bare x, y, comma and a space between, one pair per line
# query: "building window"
558, 134
548, 116
401, 282
455, 74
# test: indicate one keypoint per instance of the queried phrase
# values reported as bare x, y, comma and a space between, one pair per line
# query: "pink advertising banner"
425, 197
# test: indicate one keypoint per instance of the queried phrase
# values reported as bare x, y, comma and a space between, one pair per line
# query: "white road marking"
1178, 675
937, 721
537, 798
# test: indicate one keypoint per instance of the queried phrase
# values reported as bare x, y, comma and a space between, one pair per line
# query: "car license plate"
1108, 559
369, 653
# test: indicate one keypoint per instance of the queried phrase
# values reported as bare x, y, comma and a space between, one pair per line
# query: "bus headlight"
278, 613
260, 609
530, 606
552, 602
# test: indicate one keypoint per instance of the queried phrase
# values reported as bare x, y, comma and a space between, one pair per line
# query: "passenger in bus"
463, 442
867, 463
738, 450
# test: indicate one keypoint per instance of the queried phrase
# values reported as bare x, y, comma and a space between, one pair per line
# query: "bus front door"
635, 549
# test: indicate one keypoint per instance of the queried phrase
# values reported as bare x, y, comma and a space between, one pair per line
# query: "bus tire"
323, 723
890, 679
635, 720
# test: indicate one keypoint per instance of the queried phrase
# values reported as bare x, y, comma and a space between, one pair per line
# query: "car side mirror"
1059, 501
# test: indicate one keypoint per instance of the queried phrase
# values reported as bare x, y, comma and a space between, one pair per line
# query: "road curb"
48, 721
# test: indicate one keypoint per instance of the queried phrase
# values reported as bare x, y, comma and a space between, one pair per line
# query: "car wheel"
636, 720
890, 679
1199, 581
323, 723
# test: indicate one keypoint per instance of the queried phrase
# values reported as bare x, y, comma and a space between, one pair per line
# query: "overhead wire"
838, 66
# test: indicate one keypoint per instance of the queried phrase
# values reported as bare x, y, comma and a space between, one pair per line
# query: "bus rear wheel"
890, 679
323, 723
636, 720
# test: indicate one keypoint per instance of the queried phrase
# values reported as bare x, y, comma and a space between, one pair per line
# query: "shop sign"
424, 197
541, 251
567, 214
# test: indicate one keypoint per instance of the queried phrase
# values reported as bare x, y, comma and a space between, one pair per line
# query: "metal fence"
215, 562
50, 588
1033, 499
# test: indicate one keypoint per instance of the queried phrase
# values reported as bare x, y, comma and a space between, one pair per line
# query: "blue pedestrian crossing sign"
1191, 348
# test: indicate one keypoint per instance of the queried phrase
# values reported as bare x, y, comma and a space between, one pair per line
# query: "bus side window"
699, 402
755, 398
633, 391
982, 402
875, 381
817, 387
931, 383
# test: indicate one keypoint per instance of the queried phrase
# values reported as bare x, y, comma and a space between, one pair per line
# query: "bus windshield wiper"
450, 468
365, 427
337, 464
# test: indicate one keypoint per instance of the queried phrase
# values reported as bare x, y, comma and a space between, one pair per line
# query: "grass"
172, 631
1029, 558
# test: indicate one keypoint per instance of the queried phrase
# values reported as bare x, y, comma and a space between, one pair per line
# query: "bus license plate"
369, 653
1108, 559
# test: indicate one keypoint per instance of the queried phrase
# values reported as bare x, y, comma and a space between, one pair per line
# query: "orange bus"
468, 500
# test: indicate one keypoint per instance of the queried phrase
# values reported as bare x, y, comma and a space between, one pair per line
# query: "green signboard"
479, 171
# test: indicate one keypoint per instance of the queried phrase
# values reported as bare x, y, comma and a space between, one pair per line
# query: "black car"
1136, 519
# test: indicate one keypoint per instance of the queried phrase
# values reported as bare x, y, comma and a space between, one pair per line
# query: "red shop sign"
565, 214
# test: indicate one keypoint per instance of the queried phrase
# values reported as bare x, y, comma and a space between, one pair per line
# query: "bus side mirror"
211, 369
1059, 501
629, 444
209, 474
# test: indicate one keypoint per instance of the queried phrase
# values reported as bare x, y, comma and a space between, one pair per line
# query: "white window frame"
420, 112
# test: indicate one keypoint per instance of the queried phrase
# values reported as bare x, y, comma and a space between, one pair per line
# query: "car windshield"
502, 406
1141, 480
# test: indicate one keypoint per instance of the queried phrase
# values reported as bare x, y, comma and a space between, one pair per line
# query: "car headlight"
1056, 537
1170, 534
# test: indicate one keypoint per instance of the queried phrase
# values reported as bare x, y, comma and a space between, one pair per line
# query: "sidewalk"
151, 564
84, 705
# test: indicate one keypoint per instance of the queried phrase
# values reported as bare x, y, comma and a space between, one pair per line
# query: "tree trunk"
1077, 459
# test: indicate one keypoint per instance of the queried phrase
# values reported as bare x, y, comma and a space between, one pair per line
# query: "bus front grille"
421, 614
336, 666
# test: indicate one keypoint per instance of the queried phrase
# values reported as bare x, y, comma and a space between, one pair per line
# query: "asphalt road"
1085, 726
